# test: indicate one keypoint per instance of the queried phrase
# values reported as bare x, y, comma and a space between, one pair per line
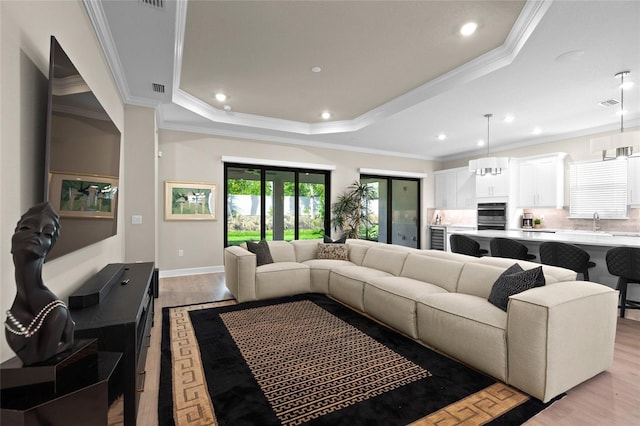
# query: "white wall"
25, 30
197, 157
140, 193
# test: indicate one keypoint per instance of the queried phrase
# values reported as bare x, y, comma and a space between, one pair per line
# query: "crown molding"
99, 22
169, 124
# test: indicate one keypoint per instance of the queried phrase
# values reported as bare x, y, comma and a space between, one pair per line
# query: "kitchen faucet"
596, 218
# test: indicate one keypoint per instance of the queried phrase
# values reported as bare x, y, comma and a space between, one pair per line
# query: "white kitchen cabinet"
455, 189
445, 189
633, 180
465, 189
491, 186
541, 181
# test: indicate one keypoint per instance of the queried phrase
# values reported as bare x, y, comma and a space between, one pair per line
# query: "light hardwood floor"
611, 398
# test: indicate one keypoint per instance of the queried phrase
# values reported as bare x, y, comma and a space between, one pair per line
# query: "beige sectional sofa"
550, 339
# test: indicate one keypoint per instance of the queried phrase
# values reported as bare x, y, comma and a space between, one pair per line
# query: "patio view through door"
395, 211
274, 203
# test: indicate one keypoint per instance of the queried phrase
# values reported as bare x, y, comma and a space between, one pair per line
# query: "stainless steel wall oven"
492, 216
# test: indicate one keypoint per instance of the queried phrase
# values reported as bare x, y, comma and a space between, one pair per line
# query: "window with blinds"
598, 187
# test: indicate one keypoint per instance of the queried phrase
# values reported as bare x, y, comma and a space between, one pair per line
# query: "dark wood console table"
122, 323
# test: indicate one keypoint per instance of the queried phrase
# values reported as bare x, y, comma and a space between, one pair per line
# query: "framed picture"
189, 200
80, 195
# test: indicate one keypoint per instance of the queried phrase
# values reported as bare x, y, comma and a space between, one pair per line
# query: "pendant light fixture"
622, 143
491, 165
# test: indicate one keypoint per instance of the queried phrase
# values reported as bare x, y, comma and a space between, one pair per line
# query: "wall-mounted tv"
82, 160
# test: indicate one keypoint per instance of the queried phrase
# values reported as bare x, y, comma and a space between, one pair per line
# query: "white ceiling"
394, 74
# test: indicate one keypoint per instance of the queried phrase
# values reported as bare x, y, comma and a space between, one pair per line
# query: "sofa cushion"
347, 283
282, 279
333, 251
261, 250
282, 251
320, 269
465, 258
513, 281
433, 270
390, 261
465, 327
552, 274
305, 249
477, 279
392, 300
358, 249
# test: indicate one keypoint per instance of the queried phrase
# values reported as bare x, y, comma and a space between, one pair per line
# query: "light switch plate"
136, 219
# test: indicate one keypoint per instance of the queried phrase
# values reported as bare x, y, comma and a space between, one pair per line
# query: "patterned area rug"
309, 360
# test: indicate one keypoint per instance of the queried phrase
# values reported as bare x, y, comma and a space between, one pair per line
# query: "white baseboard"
191, 271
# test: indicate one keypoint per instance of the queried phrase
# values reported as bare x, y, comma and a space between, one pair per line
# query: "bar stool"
505, 247
566, 256
465, 245
624, 262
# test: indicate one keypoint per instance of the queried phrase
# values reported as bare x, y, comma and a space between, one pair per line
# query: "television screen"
82, 159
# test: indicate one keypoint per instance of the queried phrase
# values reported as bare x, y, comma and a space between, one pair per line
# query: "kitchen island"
593, 242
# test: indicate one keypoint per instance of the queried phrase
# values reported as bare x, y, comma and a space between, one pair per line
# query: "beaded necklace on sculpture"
36, 322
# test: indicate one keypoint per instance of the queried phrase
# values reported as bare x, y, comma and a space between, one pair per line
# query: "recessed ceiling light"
326, 115
623, 112
442, 137
508, 118
468, 29
221, 97
537, 131
480, 142
316, 69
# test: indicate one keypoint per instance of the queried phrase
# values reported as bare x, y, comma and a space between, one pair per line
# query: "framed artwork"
189, 200
89, 196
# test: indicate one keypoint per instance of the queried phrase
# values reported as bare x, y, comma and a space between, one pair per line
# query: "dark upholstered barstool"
624, 262
566, 256
465, 245
505, 247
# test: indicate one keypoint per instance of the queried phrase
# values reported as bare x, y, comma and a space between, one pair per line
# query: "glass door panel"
394, 211
377, 208
405, 215
280, 205
311, 205
243, 195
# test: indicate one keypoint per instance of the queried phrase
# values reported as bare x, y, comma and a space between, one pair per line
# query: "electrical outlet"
180, 252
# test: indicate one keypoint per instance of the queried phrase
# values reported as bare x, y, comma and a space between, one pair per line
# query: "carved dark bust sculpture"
38, 324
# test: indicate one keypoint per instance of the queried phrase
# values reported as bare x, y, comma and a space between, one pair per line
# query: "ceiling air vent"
608, 103
157, 87
159, 4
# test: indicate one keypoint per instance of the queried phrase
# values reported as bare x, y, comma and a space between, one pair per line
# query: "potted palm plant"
351, 211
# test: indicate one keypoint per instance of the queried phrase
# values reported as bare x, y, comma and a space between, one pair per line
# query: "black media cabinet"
122, 323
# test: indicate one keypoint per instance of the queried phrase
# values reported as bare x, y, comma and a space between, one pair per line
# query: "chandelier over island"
491, 165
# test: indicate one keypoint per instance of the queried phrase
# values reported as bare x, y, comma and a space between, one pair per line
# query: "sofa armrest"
559, 336
240, 273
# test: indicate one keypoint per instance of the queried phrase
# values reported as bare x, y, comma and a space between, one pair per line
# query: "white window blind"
598, 187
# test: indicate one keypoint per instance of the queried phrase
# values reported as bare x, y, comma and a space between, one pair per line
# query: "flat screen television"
82, 159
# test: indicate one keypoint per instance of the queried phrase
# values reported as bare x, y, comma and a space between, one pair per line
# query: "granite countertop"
568, 236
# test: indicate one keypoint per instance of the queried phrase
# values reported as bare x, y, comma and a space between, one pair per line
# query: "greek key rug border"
191, 402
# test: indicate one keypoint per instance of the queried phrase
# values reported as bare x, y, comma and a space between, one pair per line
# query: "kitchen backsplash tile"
559, 219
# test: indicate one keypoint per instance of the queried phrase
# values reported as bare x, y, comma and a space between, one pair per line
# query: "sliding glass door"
395, 211
274, 203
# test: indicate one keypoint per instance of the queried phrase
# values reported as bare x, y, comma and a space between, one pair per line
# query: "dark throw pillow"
328, 240
261, 250
513, 281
